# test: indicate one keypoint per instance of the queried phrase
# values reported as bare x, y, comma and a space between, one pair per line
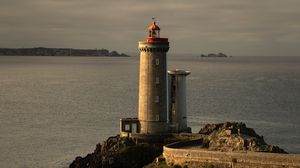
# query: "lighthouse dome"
154, 33
153, 26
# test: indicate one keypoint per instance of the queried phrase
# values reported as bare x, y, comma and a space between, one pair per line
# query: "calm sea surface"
53, 109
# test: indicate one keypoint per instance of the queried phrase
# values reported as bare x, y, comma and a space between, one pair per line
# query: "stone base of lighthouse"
148, 127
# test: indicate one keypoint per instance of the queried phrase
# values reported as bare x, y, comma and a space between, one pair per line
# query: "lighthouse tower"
162, 94
153, 100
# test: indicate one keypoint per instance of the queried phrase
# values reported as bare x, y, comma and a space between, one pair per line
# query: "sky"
234, 27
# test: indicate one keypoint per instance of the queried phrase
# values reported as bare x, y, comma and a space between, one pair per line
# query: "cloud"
194, 26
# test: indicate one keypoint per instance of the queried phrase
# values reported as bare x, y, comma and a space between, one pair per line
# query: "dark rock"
209, 128
114, 53
234, 136
214, 55
119, 152
124, 55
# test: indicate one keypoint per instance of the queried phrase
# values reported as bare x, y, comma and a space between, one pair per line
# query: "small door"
134, 128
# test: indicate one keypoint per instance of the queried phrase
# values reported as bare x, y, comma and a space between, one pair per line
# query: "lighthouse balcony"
155, 39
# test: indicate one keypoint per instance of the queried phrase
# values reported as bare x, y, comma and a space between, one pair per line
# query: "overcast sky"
235, 27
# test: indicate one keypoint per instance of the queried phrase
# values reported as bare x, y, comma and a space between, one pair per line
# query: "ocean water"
53, 109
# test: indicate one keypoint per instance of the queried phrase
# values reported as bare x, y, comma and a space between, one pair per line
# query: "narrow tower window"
157, 117
156, 99
157, 80
157, 61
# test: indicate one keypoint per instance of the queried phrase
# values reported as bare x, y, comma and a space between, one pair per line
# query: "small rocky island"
42, 51
125, 152
214, 55
160, 136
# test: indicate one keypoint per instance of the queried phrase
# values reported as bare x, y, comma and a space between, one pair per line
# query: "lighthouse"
162, 93
153, 100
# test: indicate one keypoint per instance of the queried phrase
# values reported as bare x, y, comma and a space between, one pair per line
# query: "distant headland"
43, 51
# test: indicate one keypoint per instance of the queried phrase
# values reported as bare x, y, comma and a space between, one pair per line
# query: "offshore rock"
234, 136
122, 152
214, 55
119, 152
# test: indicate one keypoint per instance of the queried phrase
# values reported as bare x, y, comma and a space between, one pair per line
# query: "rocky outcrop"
122, 152
119, 152
116, 54
234, 136
214, 55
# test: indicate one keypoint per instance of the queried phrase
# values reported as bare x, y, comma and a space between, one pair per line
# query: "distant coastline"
43, 51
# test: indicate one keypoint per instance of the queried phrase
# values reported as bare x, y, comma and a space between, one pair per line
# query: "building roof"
178, 72
153, 26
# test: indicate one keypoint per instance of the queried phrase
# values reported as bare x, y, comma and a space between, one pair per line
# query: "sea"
53, 109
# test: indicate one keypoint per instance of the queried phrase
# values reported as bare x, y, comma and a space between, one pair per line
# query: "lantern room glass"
154, 33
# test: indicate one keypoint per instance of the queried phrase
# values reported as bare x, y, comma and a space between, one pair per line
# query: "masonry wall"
200, 157
152, 113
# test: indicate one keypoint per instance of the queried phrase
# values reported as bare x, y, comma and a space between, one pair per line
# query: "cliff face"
41, 51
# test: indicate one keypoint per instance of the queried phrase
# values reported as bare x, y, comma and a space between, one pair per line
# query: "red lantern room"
154, 30
154, 33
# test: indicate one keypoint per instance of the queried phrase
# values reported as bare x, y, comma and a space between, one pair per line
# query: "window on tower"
156, 99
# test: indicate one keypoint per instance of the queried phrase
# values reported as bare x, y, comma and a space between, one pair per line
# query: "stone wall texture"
152, 113
201, 157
